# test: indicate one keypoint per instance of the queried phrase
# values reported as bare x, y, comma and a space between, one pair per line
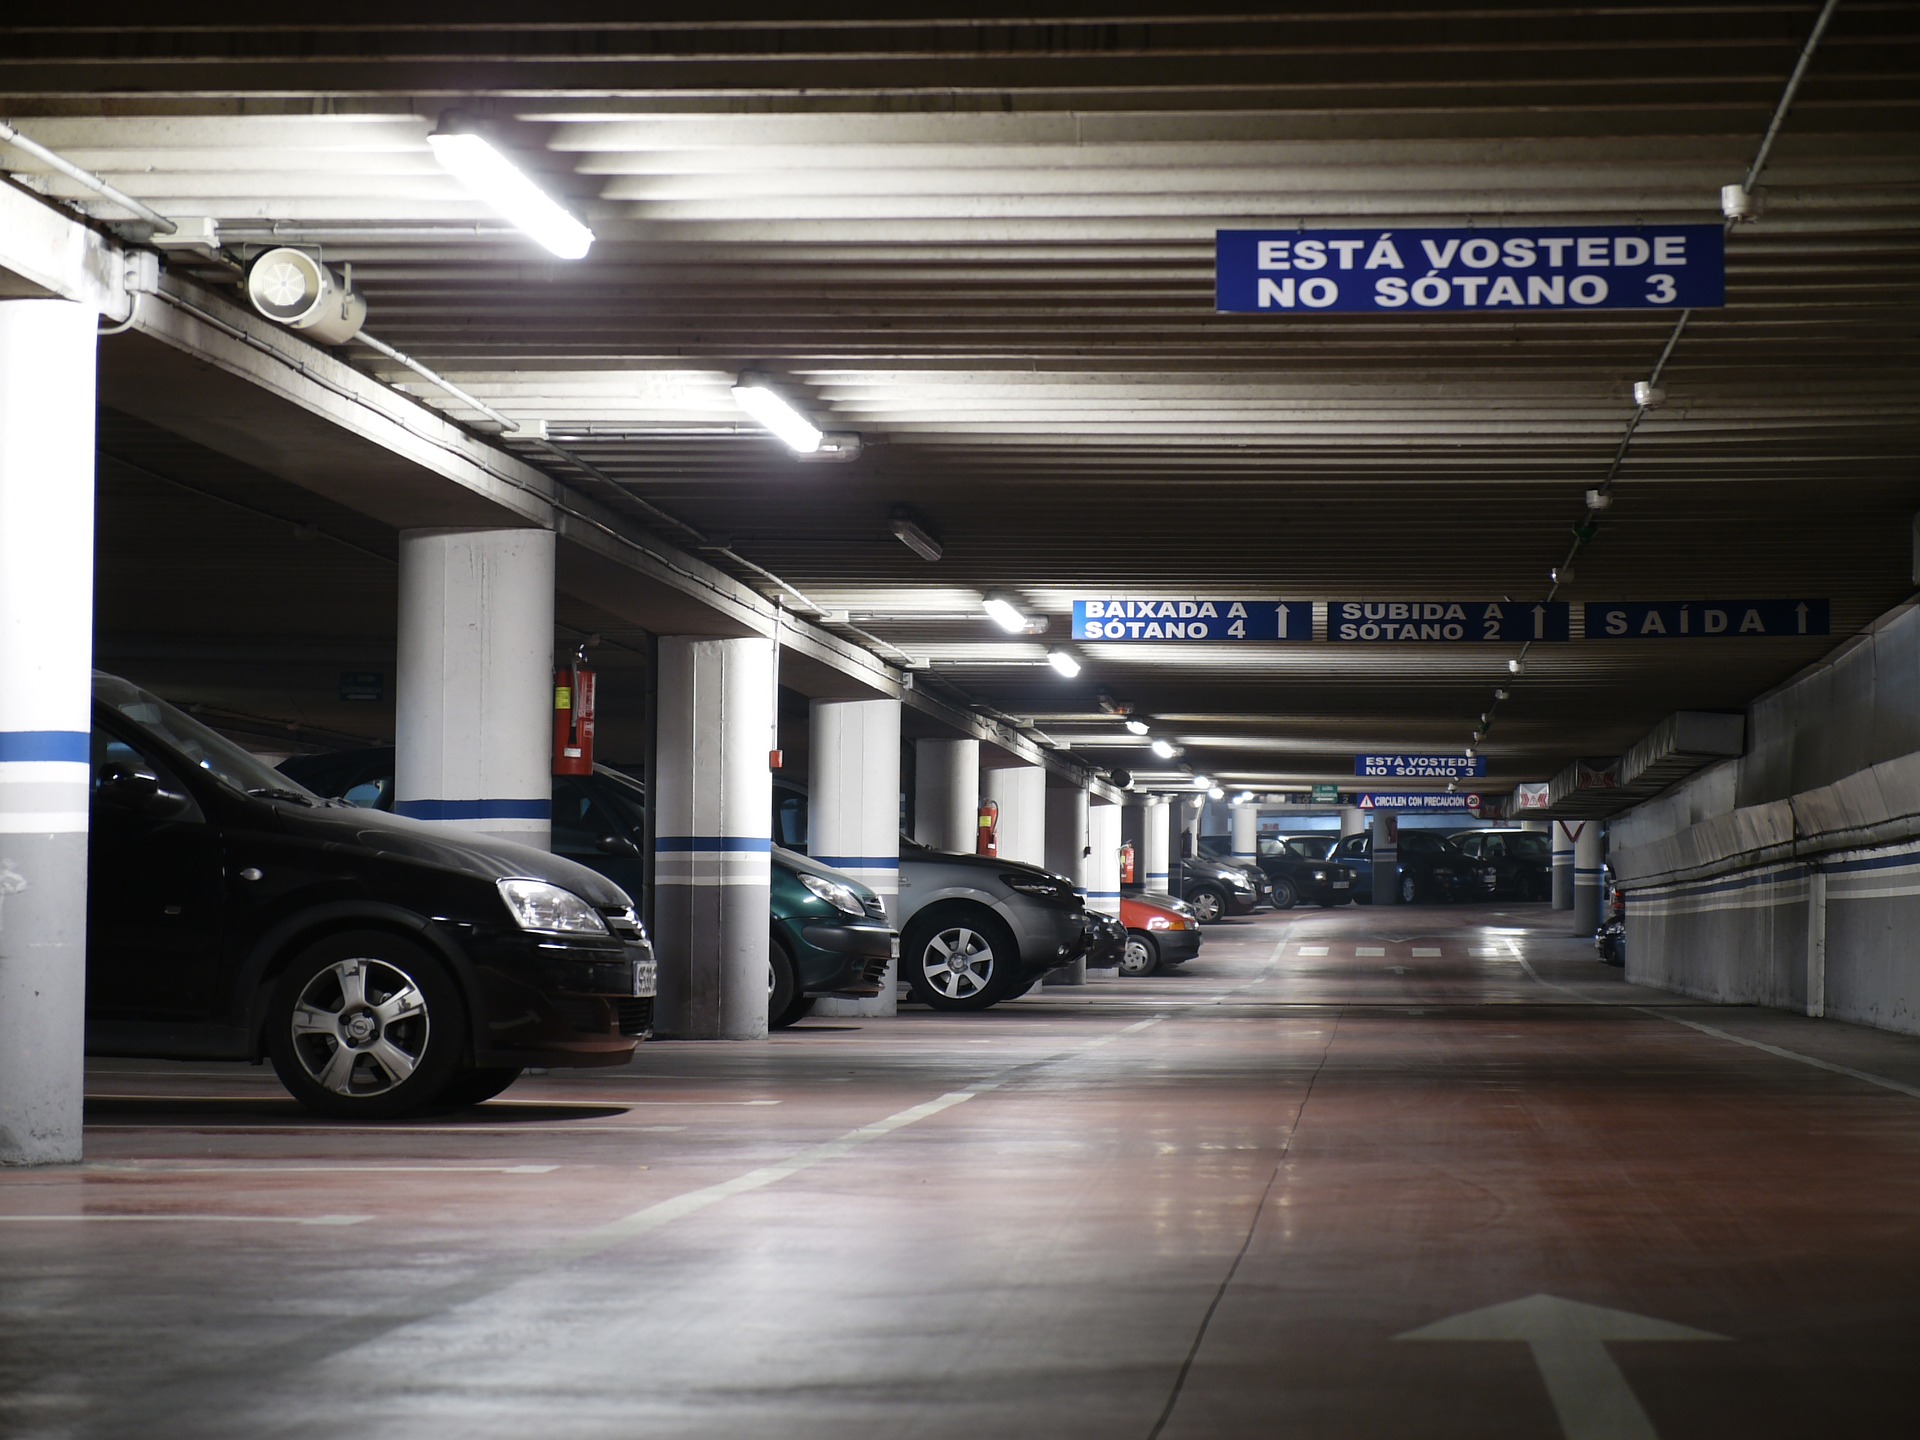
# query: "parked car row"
1485, 864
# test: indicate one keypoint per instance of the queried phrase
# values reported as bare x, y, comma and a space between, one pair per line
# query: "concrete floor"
1217, 1203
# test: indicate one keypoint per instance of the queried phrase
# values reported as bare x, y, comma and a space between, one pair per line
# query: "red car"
1160, 931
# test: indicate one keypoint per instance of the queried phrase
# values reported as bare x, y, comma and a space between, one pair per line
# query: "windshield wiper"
274, 792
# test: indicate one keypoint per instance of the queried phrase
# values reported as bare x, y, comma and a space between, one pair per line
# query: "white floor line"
1426, 952
1369, 951
101, 1219
1312, 950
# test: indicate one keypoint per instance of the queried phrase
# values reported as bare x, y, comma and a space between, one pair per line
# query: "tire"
959, 959
1285, 897
1409, 890
1208, 904
366, 1025
1141, 957
476, 1085
801, 1007
783, 985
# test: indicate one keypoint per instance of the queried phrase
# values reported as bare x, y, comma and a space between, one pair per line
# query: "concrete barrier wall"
1791, 876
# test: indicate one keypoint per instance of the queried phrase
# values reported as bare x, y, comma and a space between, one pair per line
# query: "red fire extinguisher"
573, 719
989, 838
1126, 863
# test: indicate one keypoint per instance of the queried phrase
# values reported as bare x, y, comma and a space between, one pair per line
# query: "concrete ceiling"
986, 244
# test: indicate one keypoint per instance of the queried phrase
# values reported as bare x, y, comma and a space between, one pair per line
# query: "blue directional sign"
1398, 622
1416, 272
1404, 801
1704, 619
1419, 767
1190, 620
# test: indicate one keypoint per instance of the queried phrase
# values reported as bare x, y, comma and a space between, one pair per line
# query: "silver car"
975, 930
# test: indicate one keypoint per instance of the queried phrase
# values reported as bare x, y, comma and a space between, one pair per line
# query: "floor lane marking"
1313, 950
1426, 952
1369, 951
172, 1219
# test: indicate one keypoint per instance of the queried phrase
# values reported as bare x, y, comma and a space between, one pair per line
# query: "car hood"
910, 851
421, 842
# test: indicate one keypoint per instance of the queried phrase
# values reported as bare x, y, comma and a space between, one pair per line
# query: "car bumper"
1049, 936
1245, 902
842, 958
1176, 947
562, 1004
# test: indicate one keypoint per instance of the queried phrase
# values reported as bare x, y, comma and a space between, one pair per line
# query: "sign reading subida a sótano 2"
1190, 620
1410, 272
1391, 622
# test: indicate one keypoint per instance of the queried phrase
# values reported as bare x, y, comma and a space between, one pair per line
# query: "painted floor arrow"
1569, 1344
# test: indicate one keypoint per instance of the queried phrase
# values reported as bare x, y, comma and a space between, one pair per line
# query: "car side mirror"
616, 845
135, 790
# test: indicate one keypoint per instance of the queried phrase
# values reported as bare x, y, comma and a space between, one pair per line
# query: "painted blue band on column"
475, 809
681, 844
860, 862
1102, 894
65, 746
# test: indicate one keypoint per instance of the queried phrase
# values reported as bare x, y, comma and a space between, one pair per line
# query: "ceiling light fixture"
1203, 782
1164, 749
1216, 793
1517, 667
1004, 612
1137, 727
506, 189
1064, 662
756, 396
914, 538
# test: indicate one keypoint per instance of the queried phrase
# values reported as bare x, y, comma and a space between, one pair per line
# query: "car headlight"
835, 894
1239, 882
537, 905
1319, 875
1159, 922
1038, 888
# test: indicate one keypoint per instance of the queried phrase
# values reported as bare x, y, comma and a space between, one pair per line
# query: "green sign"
1326, 794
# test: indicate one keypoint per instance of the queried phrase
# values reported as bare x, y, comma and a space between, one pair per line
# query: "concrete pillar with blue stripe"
1021, 793
1067, 854
713, 816
1154, 877
1564, 832
853, 813
1246, 832
1103, 866
47, 352
946, 794
1588, 853
474, 692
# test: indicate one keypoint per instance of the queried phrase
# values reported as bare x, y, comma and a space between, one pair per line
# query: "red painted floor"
1207, 1204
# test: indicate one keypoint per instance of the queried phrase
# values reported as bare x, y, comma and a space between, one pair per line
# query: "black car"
830, 933
1514, 864
1430, 868
382, 964
1216, 886
1293, 876
1106, 941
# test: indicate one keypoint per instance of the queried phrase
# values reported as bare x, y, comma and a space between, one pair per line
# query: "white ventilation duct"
293, 288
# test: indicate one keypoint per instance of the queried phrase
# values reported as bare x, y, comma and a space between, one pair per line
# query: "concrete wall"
1791, 876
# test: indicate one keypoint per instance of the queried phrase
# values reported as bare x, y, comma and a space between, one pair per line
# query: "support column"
713, 807
1103, 866
1353, 821
853, 815
1564, 834
1246, 833
946, 793
1067, 853
46, 662
1816, 942
1021, 793
1587, 854
1386, 858
1154, 878
474, 692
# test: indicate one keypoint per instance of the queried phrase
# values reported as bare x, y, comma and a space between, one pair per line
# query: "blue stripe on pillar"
475, 809
860, 862
679, 844
69, 746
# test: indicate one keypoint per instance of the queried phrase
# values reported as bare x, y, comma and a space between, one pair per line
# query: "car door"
1357, 851
156, 891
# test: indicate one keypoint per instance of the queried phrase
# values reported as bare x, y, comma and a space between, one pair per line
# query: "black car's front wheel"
1409, 890
366, 1025
959, 959
1208, 904
1285, 897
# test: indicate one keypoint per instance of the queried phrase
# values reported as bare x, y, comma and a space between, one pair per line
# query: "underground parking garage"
1045, 723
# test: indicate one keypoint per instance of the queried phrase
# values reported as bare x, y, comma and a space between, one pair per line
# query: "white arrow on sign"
1569, 1344
1801, 611
1539, 622
1282, 613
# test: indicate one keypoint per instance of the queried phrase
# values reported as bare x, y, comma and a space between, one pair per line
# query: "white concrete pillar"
1587, 855
473, 729
713, 804
1021, 793
46, 665
1386, 858
853, 816
1153, 879
946, 793
1246, 833
1103, 866
1564, 833
1353, 820
1067, 853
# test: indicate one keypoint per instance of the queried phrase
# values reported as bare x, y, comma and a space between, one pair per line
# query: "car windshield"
1529, 844
213, 753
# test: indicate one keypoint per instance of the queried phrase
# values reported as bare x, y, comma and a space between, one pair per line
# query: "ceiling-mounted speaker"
295, 289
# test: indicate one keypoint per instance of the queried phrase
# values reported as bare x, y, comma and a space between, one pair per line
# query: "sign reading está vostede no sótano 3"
1408, 272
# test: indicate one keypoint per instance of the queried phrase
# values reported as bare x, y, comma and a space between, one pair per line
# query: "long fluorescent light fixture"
506, 189
772, 409
1064, 663
1165, 749
1004, 613
1137, 727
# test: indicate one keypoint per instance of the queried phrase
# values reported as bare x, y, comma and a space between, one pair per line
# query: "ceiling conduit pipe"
86, 178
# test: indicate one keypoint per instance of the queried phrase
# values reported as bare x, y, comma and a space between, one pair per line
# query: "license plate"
1343, 884
646, 977
894, 951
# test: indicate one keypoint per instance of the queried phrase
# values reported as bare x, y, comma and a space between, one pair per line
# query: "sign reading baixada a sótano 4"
1191, 620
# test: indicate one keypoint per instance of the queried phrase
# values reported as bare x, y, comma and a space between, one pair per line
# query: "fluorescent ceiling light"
1216, 793
1137, 727
505, 189
1064, 663
1203, 782
1164, 749
915, 539
773, 410
1004, 613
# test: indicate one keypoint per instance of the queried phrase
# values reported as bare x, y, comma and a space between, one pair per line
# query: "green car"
830, 933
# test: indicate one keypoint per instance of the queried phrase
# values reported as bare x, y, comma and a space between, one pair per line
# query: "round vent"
293, 288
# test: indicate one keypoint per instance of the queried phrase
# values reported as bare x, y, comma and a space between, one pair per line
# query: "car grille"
636, 1016
875, 907
622, 921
